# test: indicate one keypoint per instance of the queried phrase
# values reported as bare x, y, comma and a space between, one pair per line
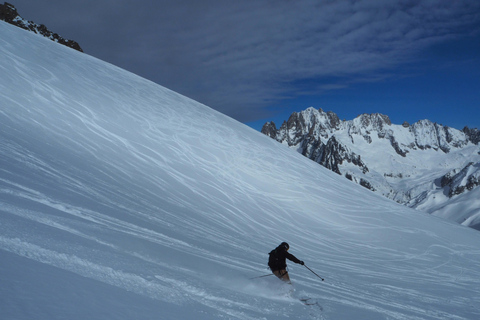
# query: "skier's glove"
302, 263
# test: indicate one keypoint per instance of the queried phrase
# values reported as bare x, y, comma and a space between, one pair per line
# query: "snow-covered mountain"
120, 199
424, 165
9, 14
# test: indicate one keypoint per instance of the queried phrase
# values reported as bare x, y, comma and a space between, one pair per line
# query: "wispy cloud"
241, 56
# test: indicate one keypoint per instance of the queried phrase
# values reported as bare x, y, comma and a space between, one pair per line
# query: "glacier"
120, 199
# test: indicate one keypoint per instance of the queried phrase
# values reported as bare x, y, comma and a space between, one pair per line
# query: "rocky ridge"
9, 14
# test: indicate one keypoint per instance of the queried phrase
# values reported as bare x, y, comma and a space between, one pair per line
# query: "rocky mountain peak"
9, 14
318, 120
429, 135
376, 121
366, 124
270, 129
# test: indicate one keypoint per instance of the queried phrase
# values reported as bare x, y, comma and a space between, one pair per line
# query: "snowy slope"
120, 199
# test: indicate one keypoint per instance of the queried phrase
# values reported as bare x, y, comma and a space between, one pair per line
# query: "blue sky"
259, 61
439, 90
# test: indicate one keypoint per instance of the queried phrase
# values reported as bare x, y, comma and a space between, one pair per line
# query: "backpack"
273, 260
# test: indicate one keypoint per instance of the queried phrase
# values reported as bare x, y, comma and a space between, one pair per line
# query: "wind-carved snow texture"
120, 199
402, 162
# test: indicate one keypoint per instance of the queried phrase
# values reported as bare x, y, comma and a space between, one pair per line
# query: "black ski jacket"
278, 256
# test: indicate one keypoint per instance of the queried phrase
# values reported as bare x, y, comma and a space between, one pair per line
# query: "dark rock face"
458, 181
333, 153
9, 14
269, 129
472, 134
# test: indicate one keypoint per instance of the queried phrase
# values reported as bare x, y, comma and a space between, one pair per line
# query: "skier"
277, 261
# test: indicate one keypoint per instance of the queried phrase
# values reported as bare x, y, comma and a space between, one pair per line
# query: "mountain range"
423, 165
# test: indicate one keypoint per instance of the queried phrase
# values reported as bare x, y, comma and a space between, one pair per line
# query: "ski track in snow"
116, 179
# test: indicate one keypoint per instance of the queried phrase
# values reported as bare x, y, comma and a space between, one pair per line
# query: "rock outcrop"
9, 14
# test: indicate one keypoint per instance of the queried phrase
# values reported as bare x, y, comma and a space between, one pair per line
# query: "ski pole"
271, 274
314, 272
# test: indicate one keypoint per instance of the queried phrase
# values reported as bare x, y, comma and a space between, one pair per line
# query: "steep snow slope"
120, 199
463, 208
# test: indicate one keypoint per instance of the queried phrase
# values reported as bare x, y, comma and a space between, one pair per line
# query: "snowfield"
120, 199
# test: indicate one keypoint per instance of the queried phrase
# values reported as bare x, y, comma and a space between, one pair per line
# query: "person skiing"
277, 261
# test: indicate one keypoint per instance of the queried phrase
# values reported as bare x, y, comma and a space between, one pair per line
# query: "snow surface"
120, 199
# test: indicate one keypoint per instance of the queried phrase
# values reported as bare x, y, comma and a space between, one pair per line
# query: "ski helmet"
285, 245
